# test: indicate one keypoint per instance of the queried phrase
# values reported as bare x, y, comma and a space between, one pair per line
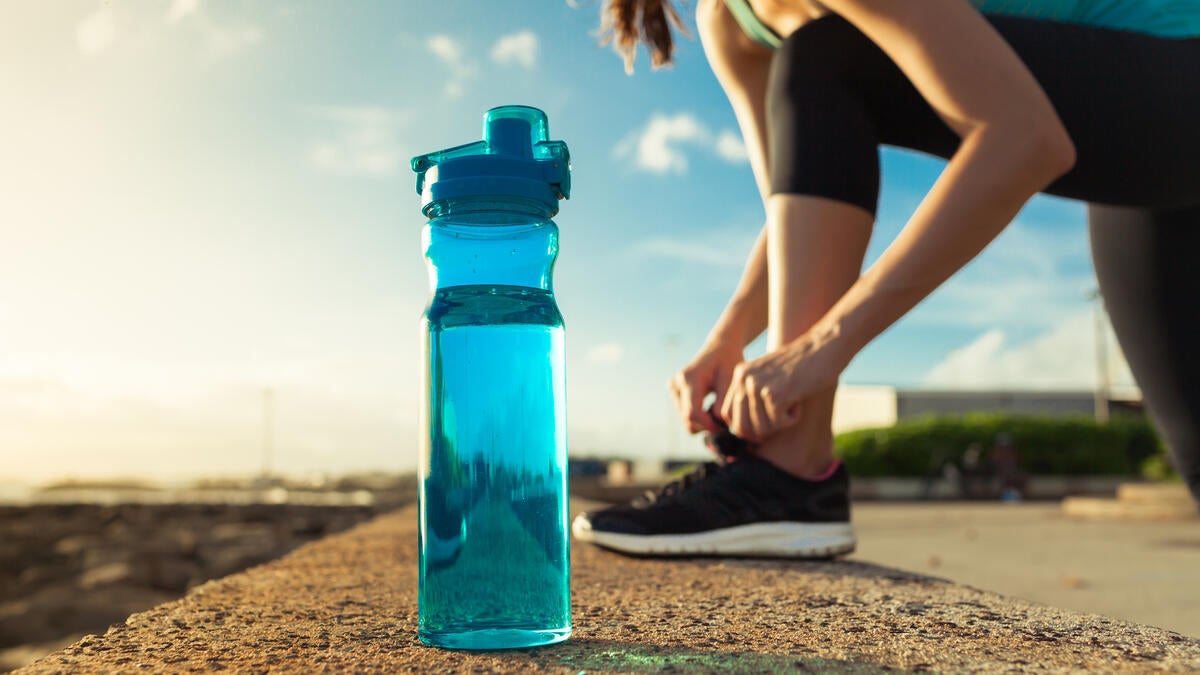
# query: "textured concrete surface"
348, 604
67, 570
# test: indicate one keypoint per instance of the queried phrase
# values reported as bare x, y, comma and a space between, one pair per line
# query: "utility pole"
1102, 375
268, 430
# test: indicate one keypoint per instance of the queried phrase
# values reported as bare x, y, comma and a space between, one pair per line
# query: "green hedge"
1047, 445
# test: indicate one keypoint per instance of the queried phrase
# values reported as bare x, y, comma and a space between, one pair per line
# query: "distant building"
864, 407
858, 407
1053, 403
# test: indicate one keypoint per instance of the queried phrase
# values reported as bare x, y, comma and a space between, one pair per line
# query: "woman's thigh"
1129, 102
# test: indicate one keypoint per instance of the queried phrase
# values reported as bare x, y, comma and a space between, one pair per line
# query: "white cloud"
656, 147
731, 148
1064, 357
180, 9
219, 40
450, 52
520, 48
608, 353
660, 146
365, 141
707, 261
706, 252
96, 32
445, 48
225, 41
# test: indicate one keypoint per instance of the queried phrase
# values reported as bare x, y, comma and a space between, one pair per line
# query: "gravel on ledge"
348, 604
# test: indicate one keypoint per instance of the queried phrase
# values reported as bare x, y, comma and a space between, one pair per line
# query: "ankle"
810, 462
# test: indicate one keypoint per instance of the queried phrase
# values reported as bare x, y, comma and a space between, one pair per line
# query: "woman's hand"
767, 394
709, 372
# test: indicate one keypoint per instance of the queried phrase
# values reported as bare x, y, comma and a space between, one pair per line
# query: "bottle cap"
515, 159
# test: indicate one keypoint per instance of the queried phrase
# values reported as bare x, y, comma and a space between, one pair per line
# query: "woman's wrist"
844, 330
828, 342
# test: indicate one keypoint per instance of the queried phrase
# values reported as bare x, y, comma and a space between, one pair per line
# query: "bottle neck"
506, 207
492, 247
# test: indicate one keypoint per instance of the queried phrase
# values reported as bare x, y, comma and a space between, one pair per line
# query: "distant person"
1005, 462
973, 473
1096, 100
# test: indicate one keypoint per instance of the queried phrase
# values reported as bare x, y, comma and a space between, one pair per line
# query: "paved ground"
1147, 572
348, 603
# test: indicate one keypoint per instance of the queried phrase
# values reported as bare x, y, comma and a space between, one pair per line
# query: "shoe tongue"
725, 444
723, 441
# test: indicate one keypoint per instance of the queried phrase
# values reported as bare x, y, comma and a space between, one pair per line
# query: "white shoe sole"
776, 540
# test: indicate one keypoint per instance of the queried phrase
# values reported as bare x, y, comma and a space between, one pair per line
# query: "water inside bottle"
494, 550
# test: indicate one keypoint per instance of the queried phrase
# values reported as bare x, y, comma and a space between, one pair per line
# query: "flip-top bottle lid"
514, 159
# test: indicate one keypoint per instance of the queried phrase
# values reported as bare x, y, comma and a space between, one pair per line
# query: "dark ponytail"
625, 23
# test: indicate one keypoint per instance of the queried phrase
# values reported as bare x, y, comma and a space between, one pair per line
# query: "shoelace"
682, 483
724, 442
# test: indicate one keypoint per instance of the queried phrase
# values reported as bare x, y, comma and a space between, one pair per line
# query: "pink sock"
828, 472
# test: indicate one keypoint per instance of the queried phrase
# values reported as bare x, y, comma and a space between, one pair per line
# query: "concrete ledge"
1156, 493
348, 603
1137, 501
1116, 509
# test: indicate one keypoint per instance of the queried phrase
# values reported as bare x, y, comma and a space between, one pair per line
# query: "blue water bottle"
494, 560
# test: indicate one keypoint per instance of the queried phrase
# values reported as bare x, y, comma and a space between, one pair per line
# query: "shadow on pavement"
839, 567
630, 657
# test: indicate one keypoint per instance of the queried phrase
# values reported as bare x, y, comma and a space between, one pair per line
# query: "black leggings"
1131, 104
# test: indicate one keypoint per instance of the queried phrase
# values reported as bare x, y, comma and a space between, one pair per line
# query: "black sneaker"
744, 507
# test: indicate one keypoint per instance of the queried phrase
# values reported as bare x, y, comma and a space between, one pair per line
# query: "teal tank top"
1164, 18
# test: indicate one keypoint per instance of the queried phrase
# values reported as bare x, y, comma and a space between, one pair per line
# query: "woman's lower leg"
815, 250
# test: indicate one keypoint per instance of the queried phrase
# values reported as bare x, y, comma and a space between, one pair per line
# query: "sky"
202, 200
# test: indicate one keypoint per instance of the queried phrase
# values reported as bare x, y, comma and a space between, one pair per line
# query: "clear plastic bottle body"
494, 557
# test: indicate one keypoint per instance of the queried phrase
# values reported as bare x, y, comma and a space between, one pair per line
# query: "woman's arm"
1013, 146
741, 67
